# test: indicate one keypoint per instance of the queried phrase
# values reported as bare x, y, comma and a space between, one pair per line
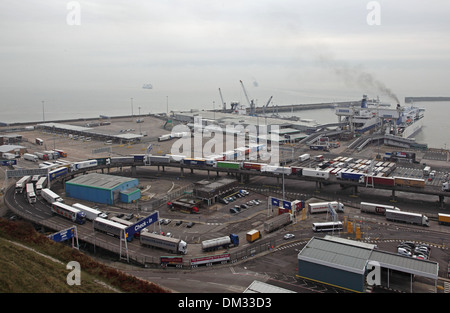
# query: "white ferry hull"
412, 129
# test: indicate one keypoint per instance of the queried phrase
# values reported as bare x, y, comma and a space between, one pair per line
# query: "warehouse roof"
336, 254
353, 256
101, 181
406, 264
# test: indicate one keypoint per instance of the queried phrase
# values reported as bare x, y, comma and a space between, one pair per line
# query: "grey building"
344, 263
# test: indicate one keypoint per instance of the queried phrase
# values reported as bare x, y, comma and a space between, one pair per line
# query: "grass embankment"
30, 268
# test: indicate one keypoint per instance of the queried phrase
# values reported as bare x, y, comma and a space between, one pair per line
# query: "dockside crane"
224, 105
250, 103
267, 104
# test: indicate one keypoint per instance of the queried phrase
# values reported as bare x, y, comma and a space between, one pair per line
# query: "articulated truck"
377, 208
322, 207
407, 217
225, 242
277, 222
172, 245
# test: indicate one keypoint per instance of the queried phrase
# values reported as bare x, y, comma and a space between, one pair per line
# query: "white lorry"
323, 207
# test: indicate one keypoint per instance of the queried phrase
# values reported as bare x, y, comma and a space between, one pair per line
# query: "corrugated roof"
336, 254
406, 264
353, 256
101, 181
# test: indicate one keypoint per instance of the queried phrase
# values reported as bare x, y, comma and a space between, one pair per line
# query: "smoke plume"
356, 76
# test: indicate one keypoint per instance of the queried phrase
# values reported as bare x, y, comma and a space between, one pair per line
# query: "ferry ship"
402, 121
409, 122
360, 119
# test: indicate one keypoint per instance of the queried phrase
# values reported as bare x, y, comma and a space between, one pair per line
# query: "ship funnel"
364, 102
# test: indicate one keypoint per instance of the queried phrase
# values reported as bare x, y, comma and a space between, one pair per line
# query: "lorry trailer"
22, 183
444, 219
321, 207
253, 235
50, 196
377, 180
407, 217
91, 214
172, 245
68, 212
109, 227
225, 242
377, 208
277, 222
31, 195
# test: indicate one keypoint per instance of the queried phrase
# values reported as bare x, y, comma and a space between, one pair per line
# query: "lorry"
377, 208
225, 164
409, 182
183, 206
407, 217
30, 157
22, 183
60, 171
444, 219
377, 180
311, 172
31, 195
349, 176
323, 207
68, 212
84, 164
110, 228
172, 245
62, 153
277, 169
91, 213
50, 196
41, 184
253, 235
277, 222
165, 137
225, 242
304, 157
156, 159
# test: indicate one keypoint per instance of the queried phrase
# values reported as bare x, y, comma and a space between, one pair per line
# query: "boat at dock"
409, 122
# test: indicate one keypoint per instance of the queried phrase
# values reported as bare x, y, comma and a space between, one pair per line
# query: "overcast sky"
296, 51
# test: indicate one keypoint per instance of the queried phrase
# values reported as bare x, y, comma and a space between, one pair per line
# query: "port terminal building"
349, 264
102, 188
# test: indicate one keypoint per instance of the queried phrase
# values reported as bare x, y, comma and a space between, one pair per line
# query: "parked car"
190, 224
403, 251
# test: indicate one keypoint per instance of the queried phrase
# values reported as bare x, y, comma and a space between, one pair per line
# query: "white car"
289, 236
403, 251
